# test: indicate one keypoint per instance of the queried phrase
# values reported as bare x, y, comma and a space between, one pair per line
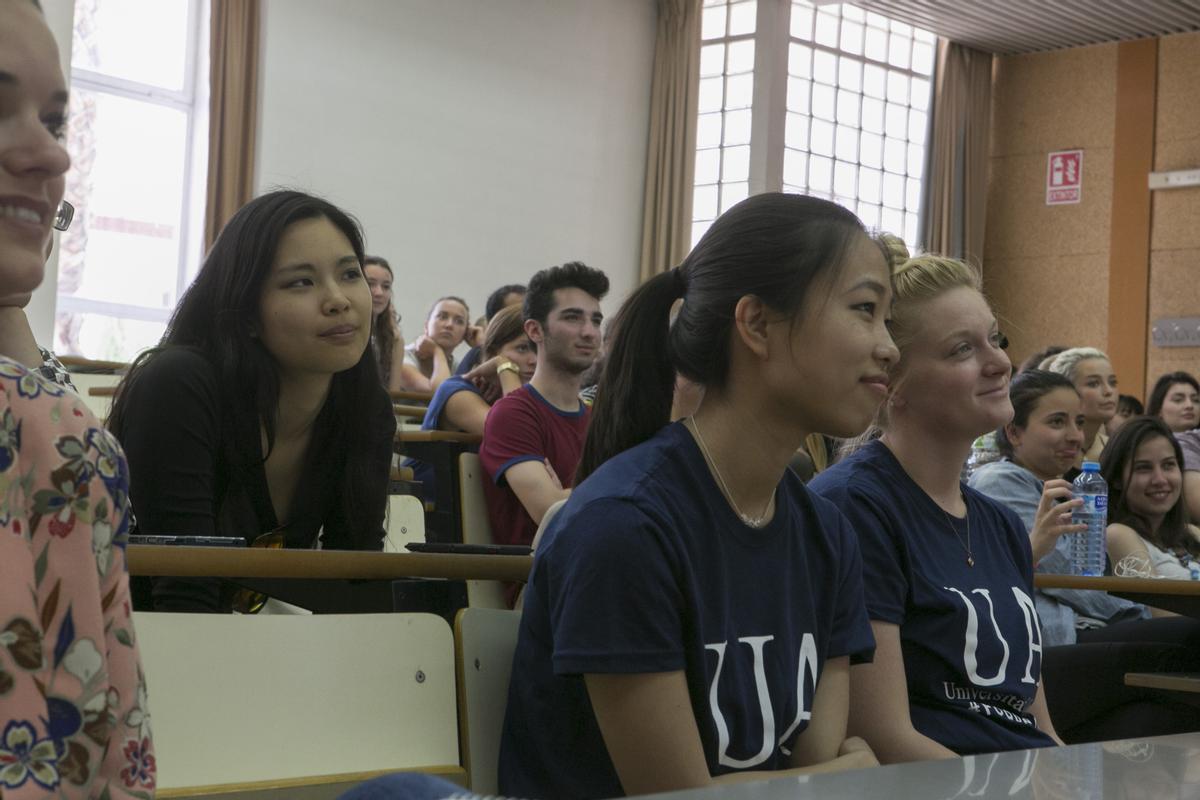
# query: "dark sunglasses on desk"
248, 601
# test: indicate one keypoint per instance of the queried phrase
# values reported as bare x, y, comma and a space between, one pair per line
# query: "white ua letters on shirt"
971, 636
806, 670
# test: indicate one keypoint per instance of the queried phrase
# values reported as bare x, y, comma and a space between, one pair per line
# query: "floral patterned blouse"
73, 716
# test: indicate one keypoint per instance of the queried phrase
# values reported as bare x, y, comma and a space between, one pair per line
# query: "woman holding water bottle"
961, 665
1038, 445
1148, 520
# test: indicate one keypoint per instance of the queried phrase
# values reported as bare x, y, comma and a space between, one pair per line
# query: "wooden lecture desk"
418, 397
440, 449
397, 397
1182, 597
1156, 768
335, 581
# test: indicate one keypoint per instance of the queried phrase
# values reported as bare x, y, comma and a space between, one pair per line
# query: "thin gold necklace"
753, 522
967, 545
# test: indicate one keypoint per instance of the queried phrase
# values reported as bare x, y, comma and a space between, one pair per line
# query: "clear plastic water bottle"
1087, 547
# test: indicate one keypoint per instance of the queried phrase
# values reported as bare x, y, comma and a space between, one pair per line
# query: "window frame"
192, 101
769, 112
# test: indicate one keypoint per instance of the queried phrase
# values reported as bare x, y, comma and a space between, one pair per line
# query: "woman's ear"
751, 323
1013, 433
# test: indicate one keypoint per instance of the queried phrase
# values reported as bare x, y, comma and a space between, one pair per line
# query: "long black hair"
383, 329
1025, 390
219, 316
1158, 395
1116, 466
773, 246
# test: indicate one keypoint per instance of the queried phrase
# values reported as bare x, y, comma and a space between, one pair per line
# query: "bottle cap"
1091, 466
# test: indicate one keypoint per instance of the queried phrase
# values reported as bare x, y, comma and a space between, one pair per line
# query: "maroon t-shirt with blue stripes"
524, 426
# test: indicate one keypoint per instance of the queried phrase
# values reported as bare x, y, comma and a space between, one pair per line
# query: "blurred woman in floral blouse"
73, 716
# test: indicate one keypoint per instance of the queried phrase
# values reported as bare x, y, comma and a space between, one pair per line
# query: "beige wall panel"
1174, 292
1046, 267
1183, 153
1178, 111
1021, 224
1055, 101
1049, 300
1175, 224
1161, 360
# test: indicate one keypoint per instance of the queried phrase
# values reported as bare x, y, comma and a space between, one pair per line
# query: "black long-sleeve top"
196, 469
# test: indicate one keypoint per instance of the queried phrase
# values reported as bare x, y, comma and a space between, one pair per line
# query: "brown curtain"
233, 111
671, 155
956, 191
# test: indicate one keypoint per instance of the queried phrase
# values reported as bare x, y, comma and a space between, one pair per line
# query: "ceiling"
1027, 26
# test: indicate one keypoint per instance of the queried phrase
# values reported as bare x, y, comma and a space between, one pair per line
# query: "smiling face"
447, 324
1097, 385
33, 100
831, 367
954, 374
1180, 407
315, 310
1153, 480
379, 281
1049, 443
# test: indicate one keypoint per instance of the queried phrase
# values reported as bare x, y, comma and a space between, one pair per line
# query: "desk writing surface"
438, 436
1107, 583
253, 562
1182, 597
1141, 769
419, 397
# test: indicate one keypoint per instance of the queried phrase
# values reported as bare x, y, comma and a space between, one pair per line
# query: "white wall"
60, 14
476, 140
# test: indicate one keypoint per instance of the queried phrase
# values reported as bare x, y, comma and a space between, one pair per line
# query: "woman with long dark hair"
261, 411
1147, 510
693, 610
1175, 399
386, 339
1090, 639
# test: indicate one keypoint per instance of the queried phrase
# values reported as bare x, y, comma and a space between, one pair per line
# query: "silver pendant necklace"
752, 521
966, 546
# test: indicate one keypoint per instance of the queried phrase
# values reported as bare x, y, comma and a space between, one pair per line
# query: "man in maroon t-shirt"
533, 437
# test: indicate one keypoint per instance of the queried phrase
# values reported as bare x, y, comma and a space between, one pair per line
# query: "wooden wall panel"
1046, 267
1129, 252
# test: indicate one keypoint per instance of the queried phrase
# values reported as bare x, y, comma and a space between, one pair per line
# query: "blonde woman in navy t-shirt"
693, 610
948, 572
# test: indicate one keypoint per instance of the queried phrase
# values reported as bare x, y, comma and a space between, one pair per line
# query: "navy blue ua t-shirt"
969, 634
647, 569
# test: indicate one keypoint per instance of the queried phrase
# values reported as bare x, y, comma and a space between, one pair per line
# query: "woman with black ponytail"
693, 611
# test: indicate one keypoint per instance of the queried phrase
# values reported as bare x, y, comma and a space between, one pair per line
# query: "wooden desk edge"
438, 436
234, 562
1043, 580
453, 773
1171, 681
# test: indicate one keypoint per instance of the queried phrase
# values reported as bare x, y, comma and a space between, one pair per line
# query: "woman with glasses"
73, 715
16, 336
260, 415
